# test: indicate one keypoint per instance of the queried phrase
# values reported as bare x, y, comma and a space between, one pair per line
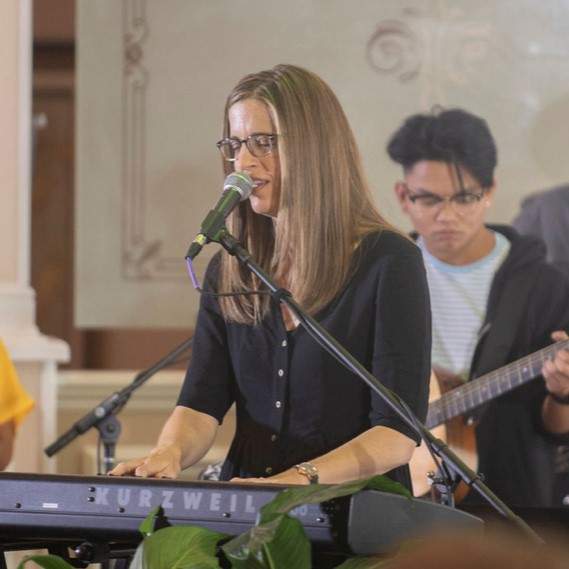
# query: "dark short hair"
454, 136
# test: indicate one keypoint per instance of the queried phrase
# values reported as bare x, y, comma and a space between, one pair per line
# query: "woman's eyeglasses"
259, 144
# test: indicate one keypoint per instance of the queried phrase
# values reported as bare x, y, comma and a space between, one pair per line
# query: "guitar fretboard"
489, 386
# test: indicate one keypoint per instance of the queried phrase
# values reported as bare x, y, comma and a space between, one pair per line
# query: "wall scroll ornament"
394, 48
142, 256
440, 49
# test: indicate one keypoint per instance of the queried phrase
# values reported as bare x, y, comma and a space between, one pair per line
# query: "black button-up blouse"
294, 402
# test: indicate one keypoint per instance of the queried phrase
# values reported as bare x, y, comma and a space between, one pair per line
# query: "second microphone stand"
103, 416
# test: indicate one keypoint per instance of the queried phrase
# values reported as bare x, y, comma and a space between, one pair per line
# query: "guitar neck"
489, 386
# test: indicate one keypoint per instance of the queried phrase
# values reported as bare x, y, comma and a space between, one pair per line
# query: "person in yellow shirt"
15, 403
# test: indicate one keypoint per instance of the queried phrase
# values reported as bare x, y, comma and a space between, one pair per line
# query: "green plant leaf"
154, 521
385, 484
46, 561
181, 547
247, 547
278, 541
289, 547
137, 562
291, 498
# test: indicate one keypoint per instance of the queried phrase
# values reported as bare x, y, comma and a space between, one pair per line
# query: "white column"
34, 354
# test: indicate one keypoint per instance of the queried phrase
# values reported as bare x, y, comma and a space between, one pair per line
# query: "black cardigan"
294, 401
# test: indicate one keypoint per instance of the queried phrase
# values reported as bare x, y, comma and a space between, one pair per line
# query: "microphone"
236, 187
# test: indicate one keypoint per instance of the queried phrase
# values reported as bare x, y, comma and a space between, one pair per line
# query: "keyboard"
55, 508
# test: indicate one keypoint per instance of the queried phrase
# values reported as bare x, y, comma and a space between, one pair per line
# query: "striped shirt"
459, 295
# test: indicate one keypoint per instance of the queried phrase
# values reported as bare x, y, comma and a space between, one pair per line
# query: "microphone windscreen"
240, 181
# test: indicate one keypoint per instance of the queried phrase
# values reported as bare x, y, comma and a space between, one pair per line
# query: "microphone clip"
213, 228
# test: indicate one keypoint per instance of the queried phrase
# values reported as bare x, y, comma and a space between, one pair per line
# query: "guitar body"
459, 436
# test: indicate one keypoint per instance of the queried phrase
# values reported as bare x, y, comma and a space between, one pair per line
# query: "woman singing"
311, 224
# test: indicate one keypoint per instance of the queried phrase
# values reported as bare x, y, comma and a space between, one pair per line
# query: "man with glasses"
493, 297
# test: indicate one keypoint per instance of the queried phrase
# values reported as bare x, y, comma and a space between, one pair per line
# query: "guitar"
447, 403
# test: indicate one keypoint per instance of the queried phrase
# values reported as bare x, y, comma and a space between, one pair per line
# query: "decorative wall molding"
137, 251
143, 256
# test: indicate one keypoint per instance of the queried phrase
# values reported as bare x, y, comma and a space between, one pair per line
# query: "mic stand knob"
109, 431
441, 490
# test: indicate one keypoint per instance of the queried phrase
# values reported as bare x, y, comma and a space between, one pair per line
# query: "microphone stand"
333, 347
103, 416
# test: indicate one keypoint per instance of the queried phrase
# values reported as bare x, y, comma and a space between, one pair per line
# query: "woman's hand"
162, 462
288, 477
250, 480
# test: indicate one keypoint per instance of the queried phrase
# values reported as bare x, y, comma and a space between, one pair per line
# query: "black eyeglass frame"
271, 136
413, 197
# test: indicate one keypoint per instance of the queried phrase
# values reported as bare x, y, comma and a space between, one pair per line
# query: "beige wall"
153, 75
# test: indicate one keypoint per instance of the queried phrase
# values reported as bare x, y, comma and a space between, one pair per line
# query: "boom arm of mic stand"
115, 402
331, 345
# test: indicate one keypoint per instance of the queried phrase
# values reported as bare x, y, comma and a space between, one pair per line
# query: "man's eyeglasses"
462, 202
259, 144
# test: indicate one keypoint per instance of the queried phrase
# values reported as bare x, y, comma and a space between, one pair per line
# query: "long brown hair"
325, 206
